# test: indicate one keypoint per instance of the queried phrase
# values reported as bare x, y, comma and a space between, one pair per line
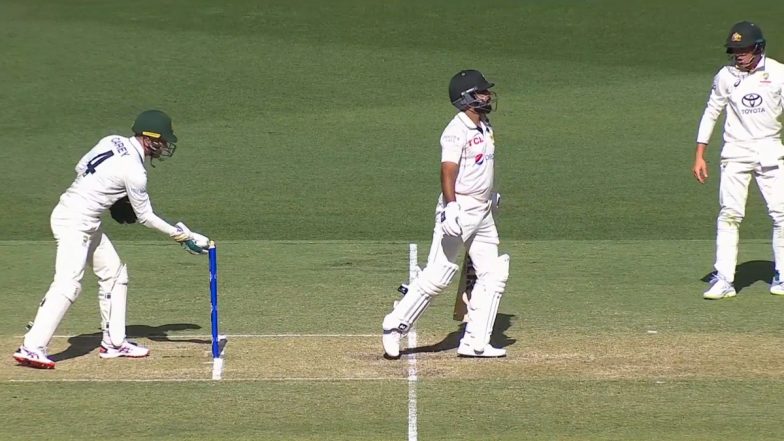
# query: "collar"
760, 66
470, 124
138, 147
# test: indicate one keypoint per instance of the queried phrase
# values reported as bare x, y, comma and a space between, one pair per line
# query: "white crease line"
207, 336
412, 387
200, 380
413, 270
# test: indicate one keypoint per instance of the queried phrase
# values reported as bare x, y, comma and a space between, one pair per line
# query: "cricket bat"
464, 289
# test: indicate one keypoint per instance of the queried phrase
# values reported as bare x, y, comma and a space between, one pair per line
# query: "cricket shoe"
126, 349
777, 286
35, 358
391, 342
719, 289
465, 350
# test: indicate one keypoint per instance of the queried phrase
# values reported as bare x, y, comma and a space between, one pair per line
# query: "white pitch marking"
413, 269
188, 380
207, 336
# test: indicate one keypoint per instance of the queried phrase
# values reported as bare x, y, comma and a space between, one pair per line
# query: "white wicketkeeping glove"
198, 244
450, 220
182, 233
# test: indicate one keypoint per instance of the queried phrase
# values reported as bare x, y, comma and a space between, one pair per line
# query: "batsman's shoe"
126, 349
777, 286
465, 350
719, 289
35, 358
391, 342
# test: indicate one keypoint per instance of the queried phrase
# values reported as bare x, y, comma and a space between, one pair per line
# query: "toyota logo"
752, 100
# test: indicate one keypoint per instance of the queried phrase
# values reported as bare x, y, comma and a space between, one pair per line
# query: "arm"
700, 168
448, 179
717, 101
451, 154
136, 186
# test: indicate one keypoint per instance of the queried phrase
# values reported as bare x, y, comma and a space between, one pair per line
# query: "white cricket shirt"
473, 149
752, 130
111, 170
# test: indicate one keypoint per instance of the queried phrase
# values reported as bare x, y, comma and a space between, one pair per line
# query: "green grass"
309, 149
583, 363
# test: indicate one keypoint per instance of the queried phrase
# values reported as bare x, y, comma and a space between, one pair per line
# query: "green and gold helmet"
157, 126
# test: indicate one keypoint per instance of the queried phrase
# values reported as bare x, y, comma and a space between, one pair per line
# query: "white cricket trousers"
76, 248
733, 192
480, 236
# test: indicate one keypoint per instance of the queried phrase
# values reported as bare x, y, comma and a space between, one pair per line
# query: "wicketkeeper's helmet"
463, 88
156, 125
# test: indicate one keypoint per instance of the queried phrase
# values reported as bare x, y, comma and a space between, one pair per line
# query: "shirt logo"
476, 140
480, 158
752, 102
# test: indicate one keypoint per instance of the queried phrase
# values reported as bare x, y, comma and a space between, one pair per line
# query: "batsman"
463, 220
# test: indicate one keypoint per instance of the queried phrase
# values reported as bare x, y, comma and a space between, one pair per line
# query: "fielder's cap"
155, 124
744, 34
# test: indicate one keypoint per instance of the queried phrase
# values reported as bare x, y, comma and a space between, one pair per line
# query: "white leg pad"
105, 307
53, 307
483, 306
118, 299
431, 281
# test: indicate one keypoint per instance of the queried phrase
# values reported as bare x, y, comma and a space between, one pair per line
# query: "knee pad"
435, 278
67, 288
430, 282
122, 274
496, 279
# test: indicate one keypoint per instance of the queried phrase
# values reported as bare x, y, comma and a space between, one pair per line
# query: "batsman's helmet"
463, 88
745, 34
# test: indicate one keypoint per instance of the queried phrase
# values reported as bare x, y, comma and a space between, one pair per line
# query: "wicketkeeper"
463, 219
751, 89
112, 174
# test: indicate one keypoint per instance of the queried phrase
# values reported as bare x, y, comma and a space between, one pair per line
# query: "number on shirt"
96, 161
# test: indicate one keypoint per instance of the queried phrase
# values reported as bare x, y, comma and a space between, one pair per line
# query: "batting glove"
495, 201
450, 220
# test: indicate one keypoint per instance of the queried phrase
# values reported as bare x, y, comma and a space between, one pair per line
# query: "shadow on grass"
83, 344
499, 339
747, 273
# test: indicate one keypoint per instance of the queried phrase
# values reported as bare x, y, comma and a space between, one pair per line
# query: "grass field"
309, 151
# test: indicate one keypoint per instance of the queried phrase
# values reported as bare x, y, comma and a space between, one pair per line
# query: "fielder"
113, 170
463, 219
751, 89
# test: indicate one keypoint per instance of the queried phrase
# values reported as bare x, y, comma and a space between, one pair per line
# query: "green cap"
155, 124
